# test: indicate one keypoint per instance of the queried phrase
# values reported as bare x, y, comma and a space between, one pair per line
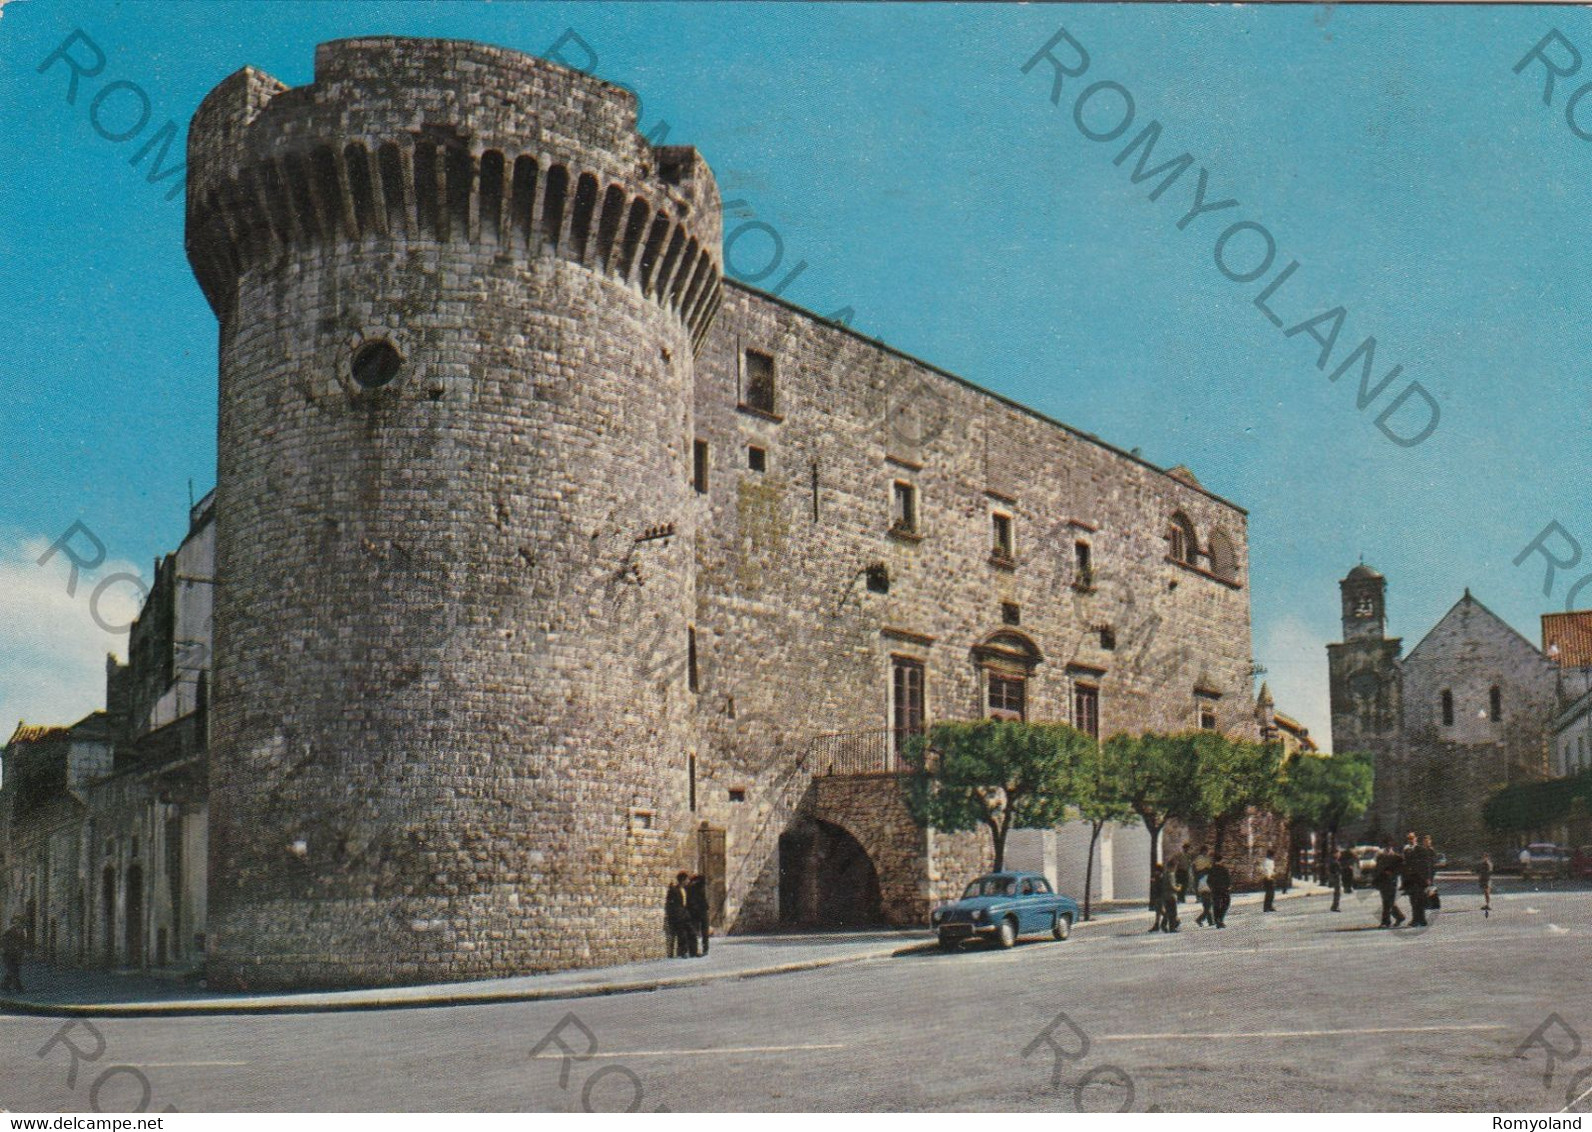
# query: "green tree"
996, 773
1231, 776
1157, 776
1095, 793
1325, 791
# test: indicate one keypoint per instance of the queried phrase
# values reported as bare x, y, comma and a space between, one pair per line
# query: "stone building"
103, 824
1466, 712
549, 561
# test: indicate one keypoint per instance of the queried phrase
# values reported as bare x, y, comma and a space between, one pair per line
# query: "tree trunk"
998, 836
1088, 869
1154, 828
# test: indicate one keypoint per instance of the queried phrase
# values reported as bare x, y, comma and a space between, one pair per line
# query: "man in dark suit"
682, 940
696, 907
1221, 882
1388, 867
1420, 870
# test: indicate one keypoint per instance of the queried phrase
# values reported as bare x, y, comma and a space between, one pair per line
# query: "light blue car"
1003, 906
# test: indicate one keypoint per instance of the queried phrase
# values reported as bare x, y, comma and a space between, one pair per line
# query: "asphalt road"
1297, 1010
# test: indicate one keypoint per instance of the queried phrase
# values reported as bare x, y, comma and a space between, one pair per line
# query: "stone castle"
549, 561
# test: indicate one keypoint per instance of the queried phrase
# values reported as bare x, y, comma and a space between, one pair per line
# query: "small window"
1003, 546
1495, 704
1183, 546
692, 680
1082, 567
759, 393
1448, 708
375, 364
1006, 697
642, 819
737, 793
1011, 613
878, 578
904, 508
756, 458
1108, 638
1086, 709
690, 781
699, 465
907, 700
1026, 888
1207, 719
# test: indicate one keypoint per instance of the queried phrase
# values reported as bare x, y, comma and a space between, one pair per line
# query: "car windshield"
991, 886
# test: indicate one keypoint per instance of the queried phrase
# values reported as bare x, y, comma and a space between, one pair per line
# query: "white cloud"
53, 643
1295, 658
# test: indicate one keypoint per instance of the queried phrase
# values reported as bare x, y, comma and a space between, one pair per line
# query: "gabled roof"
1466, 605
33, 732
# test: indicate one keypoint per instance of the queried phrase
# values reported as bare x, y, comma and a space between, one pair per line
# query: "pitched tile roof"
1571, 635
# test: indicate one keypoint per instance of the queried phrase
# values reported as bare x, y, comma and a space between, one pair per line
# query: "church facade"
1467, 711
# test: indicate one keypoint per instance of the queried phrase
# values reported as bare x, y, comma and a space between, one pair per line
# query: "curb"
327, 1003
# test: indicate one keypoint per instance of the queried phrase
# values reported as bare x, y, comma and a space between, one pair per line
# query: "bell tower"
1367, 689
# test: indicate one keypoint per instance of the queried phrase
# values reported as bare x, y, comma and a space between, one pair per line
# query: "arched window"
1185, 546
1448, 708
1224, 558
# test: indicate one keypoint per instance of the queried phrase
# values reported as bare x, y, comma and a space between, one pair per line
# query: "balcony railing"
859, 752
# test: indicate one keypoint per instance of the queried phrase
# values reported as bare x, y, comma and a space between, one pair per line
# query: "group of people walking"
1207, 877
1411, 871
685, 916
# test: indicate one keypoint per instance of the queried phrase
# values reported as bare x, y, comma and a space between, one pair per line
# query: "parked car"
1543, 859
1365, 863
1001, 907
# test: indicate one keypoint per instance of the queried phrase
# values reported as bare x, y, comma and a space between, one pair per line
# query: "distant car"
1543, 859
1001, 907
1365, 861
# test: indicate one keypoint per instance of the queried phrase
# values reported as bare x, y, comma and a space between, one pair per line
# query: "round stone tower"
458, 298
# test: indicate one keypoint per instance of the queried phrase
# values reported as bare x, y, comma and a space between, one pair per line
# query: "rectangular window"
1004, 545
756, 458
699, 465
1207, 719
1448, 708
690, 771
1086, 709
907, 701
1006, 697
693, 681
759, 391
1011, 613
1495, 704
737, 793
1083, 567
904, 508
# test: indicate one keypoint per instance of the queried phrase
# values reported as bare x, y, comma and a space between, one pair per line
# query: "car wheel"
947, 943
1063, 927
1006, 934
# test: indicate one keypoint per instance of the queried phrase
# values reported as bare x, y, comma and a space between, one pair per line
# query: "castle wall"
791, 642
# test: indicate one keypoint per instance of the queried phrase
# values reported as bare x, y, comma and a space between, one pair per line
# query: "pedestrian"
1174, 868
1349, 867
1335, 878
1417, 879
1388, 867
1221, 882
1484, 872
682, 939
1268, 881
1202, 865
1171, 897
1156, 872
12, 946
696, 906
1203, 890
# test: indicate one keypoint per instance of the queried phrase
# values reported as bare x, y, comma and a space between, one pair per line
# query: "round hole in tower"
375, 364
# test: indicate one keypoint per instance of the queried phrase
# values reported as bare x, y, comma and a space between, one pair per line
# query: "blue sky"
931, 186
